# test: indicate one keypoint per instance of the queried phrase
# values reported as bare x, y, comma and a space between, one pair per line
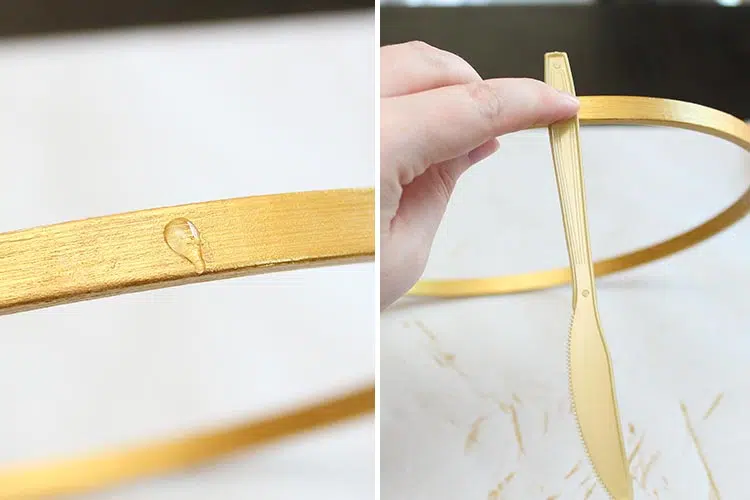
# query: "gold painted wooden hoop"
621, 110
105, 256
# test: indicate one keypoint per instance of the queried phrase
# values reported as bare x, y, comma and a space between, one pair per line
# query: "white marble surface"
99, 124
677, 329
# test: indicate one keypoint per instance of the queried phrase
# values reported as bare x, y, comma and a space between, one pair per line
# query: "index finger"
415, 66
442, 124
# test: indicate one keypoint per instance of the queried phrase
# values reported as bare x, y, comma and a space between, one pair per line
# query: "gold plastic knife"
591, 380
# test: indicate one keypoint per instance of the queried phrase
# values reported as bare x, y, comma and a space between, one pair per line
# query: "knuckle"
430, 55
487, 102
444, 61
419, 46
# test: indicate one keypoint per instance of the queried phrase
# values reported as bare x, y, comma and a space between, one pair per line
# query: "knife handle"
566, 155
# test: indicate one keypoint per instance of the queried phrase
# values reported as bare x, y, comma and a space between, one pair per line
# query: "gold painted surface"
644, 456
592, 389
105, 469
625, 110
621, 110
150, 249
135, 251
714, 491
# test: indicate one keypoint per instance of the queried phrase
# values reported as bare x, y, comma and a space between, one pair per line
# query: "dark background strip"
696, 53
37, 17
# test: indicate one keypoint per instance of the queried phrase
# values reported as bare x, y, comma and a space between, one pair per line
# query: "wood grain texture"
125, 253
171, 246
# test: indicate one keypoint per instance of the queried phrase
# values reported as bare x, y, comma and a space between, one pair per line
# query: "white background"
99, 124
677, 329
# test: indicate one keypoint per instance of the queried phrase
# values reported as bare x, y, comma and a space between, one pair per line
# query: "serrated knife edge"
589, 367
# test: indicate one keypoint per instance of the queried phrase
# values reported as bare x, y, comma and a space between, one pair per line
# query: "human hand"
437, 119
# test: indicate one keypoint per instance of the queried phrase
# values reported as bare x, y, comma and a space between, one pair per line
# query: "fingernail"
485, 150
570, 98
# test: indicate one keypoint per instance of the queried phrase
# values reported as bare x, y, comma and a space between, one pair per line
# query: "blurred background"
108, 107
459, 3
690, 50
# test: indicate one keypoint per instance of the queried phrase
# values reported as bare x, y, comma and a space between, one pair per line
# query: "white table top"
100, 124
676, 329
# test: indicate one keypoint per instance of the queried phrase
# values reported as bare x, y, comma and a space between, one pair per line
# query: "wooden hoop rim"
621, 110
83, 260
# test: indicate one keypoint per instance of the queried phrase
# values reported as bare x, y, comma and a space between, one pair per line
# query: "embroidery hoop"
621, 110
83, 260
